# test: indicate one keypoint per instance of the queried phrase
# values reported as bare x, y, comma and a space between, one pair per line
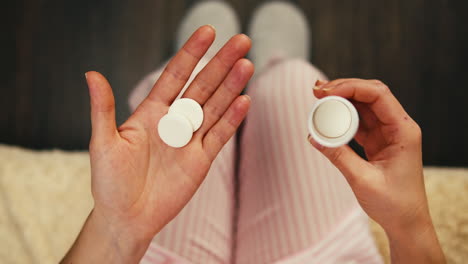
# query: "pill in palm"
175, 130
190, 109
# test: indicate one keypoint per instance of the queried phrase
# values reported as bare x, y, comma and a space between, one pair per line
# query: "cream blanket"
45, 197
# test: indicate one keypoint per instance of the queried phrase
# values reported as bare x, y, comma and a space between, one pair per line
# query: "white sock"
216, 13
278, 29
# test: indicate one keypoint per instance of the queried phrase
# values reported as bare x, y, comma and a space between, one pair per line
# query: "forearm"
98, 243
416, 245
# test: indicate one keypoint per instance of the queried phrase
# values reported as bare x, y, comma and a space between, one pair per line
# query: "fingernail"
248, 97
211, 26
86, 75
321, 88
320, 83
246, 36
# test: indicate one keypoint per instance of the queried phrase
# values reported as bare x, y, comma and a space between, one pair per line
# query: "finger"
367, 118
227, 92
178, 70
368, 122
372, 142
102, 108
225, 128
361, 136
377, 95
346, 160
320, 83
216, 70
325, 85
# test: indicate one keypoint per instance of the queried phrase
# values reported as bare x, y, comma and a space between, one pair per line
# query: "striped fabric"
293, 205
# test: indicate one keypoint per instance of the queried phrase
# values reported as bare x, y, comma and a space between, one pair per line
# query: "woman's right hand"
138, 182
389, 185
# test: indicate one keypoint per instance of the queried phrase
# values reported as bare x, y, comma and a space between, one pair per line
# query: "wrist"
122, 241
418, 221
415, 242
101, 241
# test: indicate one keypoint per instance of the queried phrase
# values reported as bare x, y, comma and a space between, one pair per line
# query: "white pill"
175, 130
190, 109
332, 119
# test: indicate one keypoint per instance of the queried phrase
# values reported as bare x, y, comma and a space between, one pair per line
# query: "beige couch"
45, 197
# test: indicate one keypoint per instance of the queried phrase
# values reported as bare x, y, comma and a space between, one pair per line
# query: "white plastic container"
333, 121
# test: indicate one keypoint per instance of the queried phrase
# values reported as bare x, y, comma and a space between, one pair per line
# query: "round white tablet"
190, 109
332, 119
175, 130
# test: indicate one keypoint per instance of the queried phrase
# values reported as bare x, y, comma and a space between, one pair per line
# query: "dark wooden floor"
418, 47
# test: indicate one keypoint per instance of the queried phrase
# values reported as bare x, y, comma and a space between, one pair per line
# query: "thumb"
351, 165
102, 108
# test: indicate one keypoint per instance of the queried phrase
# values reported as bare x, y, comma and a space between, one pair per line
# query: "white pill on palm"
175, 130
190, 109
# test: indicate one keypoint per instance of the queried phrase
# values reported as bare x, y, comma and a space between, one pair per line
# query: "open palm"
139, 183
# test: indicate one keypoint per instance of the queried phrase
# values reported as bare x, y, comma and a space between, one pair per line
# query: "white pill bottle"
333, 121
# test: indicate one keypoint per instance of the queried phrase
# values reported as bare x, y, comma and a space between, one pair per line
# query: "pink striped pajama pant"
291, 205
